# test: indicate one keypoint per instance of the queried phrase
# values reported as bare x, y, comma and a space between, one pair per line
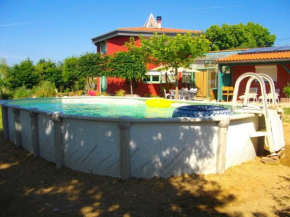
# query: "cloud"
16, 24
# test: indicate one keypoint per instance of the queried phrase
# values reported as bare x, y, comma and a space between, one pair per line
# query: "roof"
242, 57
161, 30
150, 22
147, 30
268, 49
214, 55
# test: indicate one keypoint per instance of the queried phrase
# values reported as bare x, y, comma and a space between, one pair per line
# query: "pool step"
259, 133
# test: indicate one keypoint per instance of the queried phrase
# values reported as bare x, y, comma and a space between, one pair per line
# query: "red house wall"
117, 44
283, 77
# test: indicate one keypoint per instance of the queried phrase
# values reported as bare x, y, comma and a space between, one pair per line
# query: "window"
155, 78
186, 77
212, 79
270, 70
151, 79
103, 47
209, 64
171, 78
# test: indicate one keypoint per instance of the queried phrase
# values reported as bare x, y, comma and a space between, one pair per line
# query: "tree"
49, 71
239, 36
175, 52
23, 74
91, 65
4, 72
128, 65
70, 72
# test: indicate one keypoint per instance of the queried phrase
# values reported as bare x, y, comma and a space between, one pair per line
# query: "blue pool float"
200, 111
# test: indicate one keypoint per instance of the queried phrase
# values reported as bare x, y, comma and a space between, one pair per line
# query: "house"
114, 41
205, 77
273, 61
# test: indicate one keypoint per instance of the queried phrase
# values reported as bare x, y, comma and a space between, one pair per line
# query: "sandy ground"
33, 187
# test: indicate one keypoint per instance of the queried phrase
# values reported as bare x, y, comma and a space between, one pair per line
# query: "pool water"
97, 107
100, 107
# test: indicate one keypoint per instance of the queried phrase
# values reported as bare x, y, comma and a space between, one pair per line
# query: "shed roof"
280, 56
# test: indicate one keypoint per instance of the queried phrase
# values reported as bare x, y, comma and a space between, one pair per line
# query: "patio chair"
166, 95
227, 91
193, 92
172, 93
269, 96
252, 95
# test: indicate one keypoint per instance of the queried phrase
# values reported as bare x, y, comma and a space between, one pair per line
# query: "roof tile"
165, 30
256, 57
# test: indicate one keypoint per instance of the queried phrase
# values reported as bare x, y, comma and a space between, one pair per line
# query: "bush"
66, 90
21, 93
6, 94
45, 89
153, 95
104, 94
286, 90
79, 93
120, 92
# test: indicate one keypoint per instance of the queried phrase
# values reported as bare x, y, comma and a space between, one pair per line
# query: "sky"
57, 29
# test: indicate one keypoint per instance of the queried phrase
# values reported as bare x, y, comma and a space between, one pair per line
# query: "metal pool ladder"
274, 136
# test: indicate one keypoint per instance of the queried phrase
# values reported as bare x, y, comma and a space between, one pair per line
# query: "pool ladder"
274, 137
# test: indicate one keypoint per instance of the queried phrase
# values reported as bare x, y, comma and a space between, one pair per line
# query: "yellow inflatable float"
160, 103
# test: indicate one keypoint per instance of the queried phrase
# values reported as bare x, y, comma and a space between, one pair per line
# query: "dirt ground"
33, 187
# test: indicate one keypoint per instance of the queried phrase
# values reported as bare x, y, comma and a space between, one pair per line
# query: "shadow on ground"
33, 187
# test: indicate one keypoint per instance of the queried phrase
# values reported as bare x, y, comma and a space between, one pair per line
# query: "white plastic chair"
252, 95
193, 92
269, 96
166, 95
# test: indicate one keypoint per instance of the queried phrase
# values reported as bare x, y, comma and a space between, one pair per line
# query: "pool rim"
129, 118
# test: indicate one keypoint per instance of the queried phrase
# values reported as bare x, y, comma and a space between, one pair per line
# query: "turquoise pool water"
99, 107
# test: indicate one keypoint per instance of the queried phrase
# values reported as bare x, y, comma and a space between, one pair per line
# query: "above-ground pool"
122, 137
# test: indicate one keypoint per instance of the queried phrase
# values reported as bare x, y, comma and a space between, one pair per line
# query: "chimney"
159, 22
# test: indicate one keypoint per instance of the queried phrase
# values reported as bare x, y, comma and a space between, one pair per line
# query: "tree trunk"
176, 83
88, 83
131, 86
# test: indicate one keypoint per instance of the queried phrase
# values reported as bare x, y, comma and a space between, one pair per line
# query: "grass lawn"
286, 115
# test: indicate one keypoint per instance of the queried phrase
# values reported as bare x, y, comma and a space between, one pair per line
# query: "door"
104, 84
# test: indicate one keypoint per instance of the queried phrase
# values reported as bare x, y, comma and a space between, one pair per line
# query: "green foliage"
45, 89
49, 71
174, 52
1, 124
153, 95
120, 92
286, 115
23, 74
66, 90
105, 94
5, 93
22, 92
286, 90
128, 65
92, 65
4, 72
239, 36
70, 72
